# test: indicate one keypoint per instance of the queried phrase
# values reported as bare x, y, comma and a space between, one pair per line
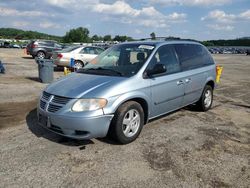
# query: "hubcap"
208, 98
131, 123
78, 65
41, 55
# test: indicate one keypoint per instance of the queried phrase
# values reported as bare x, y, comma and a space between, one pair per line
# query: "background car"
42, 48
62, 57
80, 54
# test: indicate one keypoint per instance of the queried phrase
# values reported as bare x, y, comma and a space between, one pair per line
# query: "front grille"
53, 108
46, 96
60, 100
42, 104
52, 103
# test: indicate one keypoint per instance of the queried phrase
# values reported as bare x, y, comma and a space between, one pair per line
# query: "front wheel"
127, 122
206, 100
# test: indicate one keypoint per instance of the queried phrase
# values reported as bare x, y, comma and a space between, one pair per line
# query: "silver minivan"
126, 86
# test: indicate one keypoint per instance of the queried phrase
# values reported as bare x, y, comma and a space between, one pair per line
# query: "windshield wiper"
101, 69
110, 70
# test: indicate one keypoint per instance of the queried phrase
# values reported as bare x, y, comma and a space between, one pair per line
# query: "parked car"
42, 48
62, 57
130, 83
80, 54
15, 46
86, 55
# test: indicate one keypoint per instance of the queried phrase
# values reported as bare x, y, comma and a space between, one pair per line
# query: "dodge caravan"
126, 86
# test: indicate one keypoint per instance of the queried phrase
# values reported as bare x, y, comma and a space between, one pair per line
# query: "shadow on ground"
58, 69
27, 57
36, 79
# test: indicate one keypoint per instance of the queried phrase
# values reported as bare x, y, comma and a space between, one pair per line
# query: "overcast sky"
197, 19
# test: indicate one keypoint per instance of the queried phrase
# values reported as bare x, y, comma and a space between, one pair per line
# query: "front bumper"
81, 128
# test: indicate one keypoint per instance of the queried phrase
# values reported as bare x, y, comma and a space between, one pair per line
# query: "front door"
167, 89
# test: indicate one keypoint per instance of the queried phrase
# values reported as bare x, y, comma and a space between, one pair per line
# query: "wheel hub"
131, 123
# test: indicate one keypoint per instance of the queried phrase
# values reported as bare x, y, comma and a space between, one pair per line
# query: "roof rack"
168, 39
162, 38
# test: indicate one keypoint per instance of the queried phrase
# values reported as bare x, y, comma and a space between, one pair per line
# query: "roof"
160, 42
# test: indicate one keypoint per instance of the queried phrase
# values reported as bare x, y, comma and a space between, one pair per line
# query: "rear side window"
49, 44
193, 56
88, 50
98, 50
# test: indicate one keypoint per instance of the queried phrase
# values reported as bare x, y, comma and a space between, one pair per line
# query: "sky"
196, 19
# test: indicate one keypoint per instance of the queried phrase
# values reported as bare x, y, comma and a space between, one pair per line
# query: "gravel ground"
183, 149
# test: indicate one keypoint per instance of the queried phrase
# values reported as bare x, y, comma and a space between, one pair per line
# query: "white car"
80, 54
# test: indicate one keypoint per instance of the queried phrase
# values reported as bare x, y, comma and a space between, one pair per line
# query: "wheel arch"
143, 102
81, 61
211, 83
41, 51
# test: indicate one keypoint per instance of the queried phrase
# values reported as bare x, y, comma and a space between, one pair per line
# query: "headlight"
88, 104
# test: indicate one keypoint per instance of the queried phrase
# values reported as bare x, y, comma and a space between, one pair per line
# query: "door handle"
180, 82
187, 80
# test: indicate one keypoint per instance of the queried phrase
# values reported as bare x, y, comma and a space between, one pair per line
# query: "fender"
115, 102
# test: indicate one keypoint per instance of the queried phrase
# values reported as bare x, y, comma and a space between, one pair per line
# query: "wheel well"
211, 83
79, 61
40, 51
144, 106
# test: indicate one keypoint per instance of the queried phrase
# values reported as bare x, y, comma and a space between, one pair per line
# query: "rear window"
70, 49
193, 56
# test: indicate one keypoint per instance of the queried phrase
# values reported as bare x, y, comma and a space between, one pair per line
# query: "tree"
122, 38
152, 35
107, 38
96, 38
79, 34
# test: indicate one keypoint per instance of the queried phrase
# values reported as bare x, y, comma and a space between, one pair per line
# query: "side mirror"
157, 69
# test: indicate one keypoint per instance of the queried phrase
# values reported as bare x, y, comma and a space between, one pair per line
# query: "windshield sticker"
147, 47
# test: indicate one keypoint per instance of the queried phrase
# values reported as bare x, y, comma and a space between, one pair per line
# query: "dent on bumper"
78, 127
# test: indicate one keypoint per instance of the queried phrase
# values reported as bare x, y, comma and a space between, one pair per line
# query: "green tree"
122, 38
96, 38
107, 38
79, 34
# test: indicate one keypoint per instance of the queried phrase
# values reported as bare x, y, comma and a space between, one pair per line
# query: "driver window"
166, 55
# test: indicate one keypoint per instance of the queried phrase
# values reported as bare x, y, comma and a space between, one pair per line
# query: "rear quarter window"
193, 56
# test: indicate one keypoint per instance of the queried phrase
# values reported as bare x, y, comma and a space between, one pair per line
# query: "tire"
78, 64
206, 100
127, 123
40, 55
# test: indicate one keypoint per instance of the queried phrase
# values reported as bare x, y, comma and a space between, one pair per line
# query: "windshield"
120, 60
70, 49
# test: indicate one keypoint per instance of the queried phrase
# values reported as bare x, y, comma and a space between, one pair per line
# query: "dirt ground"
183, 149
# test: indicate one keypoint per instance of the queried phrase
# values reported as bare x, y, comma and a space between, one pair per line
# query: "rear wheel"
78, 64
206, 100
127, 122
41, 55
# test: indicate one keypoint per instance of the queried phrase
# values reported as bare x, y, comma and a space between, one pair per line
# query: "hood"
76, 85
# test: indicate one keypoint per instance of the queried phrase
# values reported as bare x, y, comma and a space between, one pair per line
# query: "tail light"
59, 56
